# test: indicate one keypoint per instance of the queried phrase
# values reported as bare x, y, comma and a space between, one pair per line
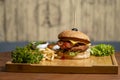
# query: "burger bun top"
74, 35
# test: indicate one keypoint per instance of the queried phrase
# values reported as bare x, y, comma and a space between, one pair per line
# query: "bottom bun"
81, 55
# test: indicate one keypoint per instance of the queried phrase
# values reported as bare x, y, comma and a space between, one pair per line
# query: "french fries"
48, 54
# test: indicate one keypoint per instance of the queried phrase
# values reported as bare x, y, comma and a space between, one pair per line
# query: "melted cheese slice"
73, 42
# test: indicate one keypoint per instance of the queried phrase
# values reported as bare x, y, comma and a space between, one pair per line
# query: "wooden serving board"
107, 64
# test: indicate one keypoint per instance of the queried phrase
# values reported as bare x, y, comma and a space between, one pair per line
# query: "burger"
73, 44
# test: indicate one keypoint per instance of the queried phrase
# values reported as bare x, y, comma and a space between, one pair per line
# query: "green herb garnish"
73, 53
26, 55
102, 50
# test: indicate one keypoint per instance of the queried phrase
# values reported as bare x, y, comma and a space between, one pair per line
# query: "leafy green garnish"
26, 55
102, 50
73, 53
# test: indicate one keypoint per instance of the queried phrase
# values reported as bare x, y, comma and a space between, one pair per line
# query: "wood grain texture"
4, 57
110, 19
42, 29
10, 20
117, 19
33, 20
22, 20
2, 29
98, 21
92, 64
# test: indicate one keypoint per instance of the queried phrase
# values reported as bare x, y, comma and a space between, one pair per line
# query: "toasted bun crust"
74, 35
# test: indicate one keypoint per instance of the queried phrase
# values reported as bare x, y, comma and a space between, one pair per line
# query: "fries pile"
48, 54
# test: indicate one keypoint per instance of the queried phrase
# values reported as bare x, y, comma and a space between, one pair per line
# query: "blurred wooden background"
33, 20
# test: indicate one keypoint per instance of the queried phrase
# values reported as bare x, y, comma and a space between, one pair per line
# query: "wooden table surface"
5, 56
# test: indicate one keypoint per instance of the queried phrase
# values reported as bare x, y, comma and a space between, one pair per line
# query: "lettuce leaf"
102, 50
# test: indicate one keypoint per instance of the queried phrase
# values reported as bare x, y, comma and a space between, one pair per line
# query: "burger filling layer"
72, 47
